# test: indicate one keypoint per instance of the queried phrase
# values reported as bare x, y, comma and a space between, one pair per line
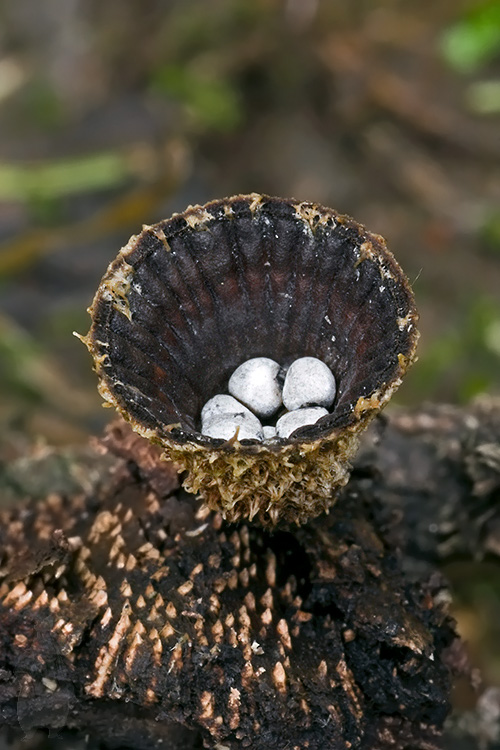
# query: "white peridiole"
292, 420
308, 382
255, 384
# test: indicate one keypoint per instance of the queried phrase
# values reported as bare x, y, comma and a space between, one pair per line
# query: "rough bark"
130, 614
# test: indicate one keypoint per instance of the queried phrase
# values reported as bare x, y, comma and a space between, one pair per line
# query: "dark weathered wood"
130, 614
437, 469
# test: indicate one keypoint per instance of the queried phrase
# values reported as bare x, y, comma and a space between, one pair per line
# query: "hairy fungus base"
290, 479
293, 485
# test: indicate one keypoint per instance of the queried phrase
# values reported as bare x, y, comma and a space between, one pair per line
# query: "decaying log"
131, 615
438, 468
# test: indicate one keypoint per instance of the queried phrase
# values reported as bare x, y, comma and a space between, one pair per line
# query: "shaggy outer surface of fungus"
133, 595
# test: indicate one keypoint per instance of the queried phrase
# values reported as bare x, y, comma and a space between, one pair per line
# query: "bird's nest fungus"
189, 299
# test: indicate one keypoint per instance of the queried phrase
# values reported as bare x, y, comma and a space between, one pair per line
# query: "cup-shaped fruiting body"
191, 298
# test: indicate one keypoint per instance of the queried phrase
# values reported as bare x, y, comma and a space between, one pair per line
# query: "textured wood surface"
131, 615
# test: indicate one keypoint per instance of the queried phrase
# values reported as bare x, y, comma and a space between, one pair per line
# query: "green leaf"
473, 41
48, 180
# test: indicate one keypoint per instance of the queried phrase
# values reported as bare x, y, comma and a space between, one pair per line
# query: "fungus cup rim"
173, 437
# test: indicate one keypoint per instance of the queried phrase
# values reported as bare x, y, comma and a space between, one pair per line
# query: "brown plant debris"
130, 612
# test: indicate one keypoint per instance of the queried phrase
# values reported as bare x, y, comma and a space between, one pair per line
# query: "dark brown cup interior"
206, 295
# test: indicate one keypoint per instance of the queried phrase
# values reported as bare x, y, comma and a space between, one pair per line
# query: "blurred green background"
117, 113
